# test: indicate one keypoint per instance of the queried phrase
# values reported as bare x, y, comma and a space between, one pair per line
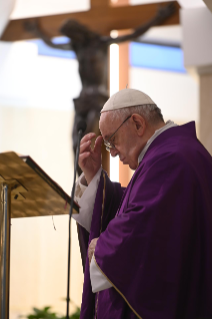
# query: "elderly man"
149, 245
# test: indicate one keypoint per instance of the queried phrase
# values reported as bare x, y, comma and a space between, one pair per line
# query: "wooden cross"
102, 18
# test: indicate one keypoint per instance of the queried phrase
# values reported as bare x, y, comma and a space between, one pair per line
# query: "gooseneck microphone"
81, 127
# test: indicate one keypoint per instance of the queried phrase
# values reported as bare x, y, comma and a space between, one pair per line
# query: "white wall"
197, 41
6, 7
34, 8
177, 94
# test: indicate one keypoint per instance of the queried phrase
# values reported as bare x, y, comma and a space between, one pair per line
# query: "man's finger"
90, 254
83, 157
98, 144
85, 146
87, 137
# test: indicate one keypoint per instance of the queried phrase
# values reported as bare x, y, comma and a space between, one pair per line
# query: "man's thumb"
98, 143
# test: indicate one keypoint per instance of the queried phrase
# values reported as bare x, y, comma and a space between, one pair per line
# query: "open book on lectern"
33, 192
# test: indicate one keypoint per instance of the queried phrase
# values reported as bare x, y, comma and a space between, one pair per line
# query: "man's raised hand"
90, 159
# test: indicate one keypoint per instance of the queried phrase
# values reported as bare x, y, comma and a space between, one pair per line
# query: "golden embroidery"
117, 289
103, 201
103, 204
97, 299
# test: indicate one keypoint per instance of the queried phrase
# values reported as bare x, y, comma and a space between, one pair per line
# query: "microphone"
81, 127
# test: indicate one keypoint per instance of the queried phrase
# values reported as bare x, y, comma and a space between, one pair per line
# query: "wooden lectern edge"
46, 179
44, 174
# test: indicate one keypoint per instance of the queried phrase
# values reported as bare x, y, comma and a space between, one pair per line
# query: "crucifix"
89, 39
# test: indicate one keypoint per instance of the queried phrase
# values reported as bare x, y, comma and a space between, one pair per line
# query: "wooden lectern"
26, 191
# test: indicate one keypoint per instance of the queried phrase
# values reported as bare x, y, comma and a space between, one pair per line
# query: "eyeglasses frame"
107, 143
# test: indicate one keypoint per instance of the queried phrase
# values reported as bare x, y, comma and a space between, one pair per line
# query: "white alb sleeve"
85, 197
98, 280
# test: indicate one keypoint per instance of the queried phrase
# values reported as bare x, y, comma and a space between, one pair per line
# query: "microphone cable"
81, 127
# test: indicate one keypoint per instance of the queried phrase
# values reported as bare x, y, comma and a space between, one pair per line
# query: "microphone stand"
80, 133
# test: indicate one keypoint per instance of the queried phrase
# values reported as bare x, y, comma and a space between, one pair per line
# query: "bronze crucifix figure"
91, 49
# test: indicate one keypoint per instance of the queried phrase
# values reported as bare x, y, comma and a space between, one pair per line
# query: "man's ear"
139, 124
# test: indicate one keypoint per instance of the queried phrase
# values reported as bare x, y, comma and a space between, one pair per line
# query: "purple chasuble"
157, 251
107, 201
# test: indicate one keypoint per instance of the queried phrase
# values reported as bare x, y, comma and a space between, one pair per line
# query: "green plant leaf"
46, 313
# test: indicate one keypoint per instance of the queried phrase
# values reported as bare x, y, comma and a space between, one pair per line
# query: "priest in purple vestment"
146, 249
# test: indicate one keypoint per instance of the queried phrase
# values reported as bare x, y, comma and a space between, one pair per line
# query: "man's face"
125, 139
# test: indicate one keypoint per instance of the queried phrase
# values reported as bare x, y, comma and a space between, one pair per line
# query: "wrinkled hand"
91, 248
90, 159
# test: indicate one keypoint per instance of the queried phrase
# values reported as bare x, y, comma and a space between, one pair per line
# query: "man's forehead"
106, 116
107, 124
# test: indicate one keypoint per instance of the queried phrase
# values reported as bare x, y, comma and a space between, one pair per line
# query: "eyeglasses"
107, 143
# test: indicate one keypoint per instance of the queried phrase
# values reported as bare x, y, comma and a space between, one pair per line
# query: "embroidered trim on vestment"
116, 289
103, 204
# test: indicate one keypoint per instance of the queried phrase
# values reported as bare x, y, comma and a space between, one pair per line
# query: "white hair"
151, 113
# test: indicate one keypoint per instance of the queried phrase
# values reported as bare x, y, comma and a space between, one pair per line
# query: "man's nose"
113, 152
